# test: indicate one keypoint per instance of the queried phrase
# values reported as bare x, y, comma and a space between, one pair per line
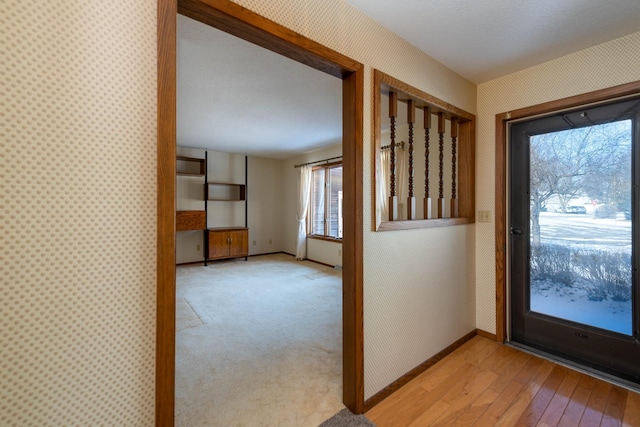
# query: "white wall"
265, 194
323, 252
599, 67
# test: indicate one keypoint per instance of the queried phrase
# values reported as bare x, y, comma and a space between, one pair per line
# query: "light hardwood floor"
484, 383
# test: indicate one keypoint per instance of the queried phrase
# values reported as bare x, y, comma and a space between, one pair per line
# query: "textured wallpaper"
599, 67
419, 290
77, 213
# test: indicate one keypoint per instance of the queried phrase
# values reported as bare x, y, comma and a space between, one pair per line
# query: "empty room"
258, 298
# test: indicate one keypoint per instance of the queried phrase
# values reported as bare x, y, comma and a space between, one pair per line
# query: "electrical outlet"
254, 243
339, 252
270, 241
197, 247
484, 216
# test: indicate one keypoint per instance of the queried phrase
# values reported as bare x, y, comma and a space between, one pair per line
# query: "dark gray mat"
345, 418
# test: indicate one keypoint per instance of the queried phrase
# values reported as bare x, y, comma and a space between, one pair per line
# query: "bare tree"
610, 183
588, 161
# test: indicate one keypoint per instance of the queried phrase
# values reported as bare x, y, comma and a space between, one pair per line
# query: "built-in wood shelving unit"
220, 242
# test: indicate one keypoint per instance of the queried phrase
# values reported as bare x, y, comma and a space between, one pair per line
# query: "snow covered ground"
584, 230
572, 302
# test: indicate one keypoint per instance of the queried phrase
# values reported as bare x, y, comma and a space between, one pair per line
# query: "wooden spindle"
411, 118
393, 200
427, 197
441, 208
454, 137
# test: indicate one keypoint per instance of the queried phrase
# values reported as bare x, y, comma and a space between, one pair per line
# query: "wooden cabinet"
232, 242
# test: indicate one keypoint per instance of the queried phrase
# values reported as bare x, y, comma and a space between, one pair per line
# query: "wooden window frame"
327, 203
466, 153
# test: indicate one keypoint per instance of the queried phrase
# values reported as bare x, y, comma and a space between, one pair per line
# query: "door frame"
243, 23
632, 88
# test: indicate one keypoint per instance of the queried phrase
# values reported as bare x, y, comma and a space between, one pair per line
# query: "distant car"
576, 210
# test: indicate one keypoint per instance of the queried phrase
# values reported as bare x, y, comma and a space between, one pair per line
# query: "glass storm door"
573, 249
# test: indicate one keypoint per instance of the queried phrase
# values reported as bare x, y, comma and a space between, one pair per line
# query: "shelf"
191, 220
216, 191
190, 166
230, 228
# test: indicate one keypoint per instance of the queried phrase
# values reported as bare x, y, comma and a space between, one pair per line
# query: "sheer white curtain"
402, 181
384, 174
304, 194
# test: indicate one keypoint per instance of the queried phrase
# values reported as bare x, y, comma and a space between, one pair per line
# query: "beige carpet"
258, 343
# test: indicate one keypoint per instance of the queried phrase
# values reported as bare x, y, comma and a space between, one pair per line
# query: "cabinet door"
218, 244
239, 243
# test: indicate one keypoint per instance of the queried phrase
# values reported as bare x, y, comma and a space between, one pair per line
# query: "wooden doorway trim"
241, 22
627, 89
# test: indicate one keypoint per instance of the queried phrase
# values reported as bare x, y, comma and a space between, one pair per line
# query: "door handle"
516, 231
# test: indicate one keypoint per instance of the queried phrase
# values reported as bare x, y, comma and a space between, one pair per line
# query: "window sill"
325, 238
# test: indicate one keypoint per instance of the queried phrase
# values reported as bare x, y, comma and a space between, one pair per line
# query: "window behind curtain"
326, 197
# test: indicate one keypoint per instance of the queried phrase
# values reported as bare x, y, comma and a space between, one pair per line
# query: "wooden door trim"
241, 22
502, 119
165, 246
246, 24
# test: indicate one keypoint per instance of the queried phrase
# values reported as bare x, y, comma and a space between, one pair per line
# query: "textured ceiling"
485, 39
236, 97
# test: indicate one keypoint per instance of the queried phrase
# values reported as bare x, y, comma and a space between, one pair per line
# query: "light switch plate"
484, 216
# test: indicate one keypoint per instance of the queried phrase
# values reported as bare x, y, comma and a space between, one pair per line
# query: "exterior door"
573, 216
